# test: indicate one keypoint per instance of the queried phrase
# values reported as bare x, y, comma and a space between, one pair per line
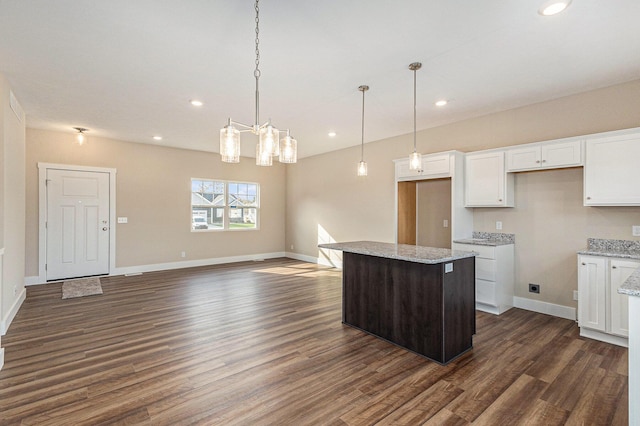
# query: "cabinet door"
592, 293
562, 154
486, 181
620, 271
404, 173
611, 172
524, 158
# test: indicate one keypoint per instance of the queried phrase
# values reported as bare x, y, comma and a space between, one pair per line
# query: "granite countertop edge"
482, 242
622, 255
411, 253
632, 285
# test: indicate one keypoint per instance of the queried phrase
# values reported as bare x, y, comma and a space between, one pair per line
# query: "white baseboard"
311, 259
552, 309
604, 337
8, 319
139, 269
192, 263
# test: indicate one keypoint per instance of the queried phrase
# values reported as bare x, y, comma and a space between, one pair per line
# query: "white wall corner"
552, 309
8, 319
1, 358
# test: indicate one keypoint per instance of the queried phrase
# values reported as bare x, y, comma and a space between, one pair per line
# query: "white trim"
311, 259
42, 213
13, 310
604, 337
1, 358
552, 309
140, 269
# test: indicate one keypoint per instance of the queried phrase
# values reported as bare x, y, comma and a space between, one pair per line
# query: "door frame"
42, 215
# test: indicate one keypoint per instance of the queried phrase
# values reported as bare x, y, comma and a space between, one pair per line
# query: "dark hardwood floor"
261, 343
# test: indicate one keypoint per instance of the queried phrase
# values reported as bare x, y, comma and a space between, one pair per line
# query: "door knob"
105, 228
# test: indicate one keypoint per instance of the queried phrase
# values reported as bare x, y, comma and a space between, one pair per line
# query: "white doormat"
81, 287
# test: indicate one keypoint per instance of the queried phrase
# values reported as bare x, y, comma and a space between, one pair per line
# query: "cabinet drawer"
486, 292
485, 269
487, 252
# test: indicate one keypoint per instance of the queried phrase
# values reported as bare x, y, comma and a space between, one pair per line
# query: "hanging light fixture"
269, 143
81, 138
362, 165
415, 159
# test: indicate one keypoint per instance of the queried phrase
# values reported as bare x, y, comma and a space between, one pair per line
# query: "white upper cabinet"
545, 155
487, 183
433, 166
612, 171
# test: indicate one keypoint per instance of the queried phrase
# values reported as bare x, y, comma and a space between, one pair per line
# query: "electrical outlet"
498, 225
291, 246
183, 254
534, 288
635, 230
575, 294
123, 220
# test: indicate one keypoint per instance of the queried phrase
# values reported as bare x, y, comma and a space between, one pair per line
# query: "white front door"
77, 223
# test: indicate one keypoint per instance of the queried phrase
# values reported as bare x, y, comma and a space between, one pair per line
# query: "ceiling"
128, 69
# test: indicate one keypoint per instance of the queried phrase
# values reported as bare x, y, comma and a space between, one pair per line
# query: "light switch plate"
635, 230
445, 223
122, 220
498, 225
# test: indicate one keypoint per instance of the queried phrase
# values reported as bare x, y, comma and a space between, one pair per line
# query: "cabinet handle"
584, 264
500, 199
614, 267
588, 198
537, 161
544, 161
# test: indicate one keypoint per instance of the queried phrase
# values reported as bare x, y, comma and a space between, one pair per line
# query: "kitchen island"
420, 298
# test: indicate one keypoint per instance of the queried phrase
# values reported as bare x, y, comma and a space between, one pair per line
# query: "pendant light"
362, 165
415, 159
81, 138
268, 136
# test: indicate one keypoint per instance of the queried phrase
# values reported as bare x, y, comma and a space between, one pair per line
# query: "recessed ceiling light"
196, 102
441, 102
332, 134
552, 7
157, 138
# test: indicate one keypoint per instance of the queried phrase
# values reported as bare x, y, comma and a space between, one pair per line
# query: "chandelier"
269, 143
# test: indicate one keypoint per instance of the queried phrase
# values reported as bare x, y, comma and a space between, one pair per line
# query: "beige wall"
323, 191
153, 191
12, 194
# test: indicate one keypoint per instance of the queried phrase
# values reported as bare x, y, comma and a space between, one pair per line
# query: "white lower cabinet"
603, 313
494, 276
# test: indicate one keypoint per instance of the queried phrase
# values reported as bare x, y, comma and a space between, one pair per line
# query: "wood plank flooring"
261, 343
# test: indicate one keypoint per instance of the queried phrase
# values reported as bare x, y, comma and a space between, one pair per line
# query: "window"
217, 204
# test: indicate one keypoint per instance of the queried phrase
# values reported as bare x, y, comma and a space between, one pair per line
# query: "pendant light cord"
256, 73
414, 111
362, 142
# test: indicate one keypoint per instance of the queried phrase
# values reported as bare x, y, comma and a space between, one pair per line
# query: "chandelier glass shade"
288, 149
268, 136
230, 144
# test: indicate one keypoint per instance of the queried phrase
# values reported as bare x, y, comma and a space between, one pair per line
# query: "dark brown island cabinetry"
420, 298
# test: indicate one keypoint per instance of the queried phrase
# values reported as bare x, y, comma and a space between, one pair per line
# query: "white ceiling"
126, 69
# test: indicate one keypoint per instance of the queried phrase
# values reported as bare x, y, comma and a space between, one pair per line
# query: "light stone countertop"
624, 249
632, 285
488, 239
417, 254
